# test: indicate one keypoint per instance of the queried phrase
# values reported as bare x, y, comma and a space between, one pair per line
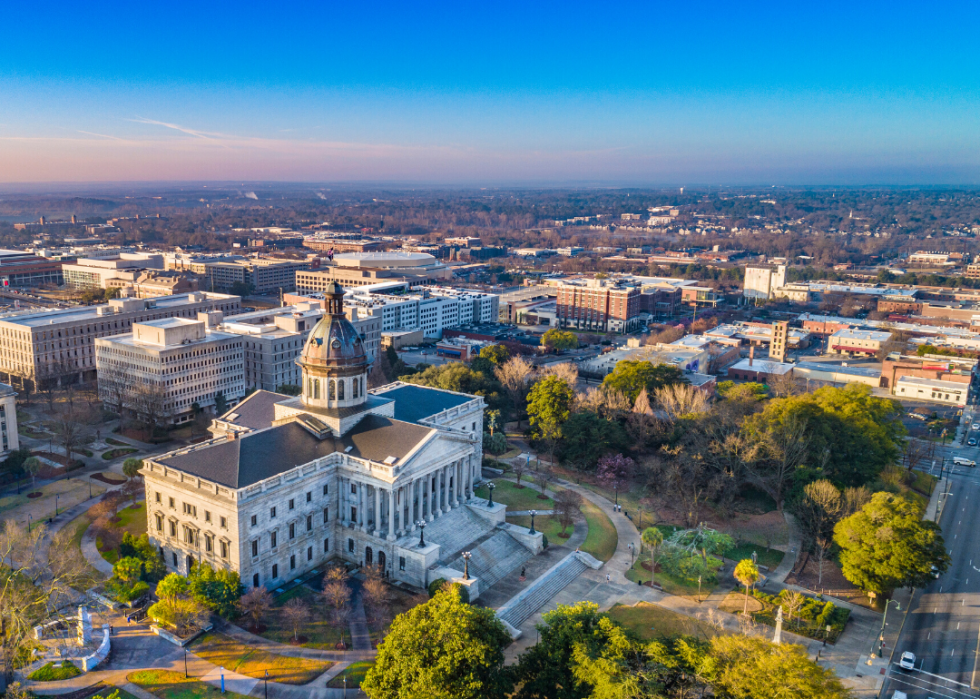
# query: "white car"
907, 661
975, 426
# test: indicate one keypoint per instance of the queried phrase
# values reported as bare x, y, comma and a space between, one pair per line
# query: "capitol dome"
334, 361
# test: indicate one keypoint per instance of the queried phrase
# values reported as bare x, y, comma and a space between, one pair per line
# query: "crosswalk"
918, 684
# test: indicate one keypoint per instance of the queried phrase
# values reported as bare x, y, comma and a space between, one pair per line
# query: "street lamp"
490, 487
533, 512
632, 553
56, 505
466, 564
421, 525
616, 487
266, 684
29, 518
881, 634
185, 662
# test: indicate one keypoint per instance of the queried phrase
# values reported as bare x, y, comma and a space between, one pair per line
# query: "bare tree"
566, 505
295, 612
68, 429
150, 405
519, 468
32, 466
336, 595
792, 603
681, 399
820, 508
566, 371
855, 499
36, 583
918, 453
377, 599
776, 456
515, 376
255, 603
782, 385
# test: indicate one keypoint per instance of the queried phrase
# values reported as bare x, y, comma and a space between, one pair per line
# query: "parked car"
975, 426
907, 661
971, 442
960, 461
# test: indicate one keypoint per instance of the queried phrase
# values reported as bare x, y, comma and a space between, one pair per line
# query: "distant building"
777, 346
762, 280
8, 420
261, 275
932, 390
343, 245
854, 342
364, 269
109, 272
598, 304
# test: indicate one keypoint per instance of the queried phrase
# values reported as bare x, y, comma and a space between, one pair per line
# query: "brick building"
598, 304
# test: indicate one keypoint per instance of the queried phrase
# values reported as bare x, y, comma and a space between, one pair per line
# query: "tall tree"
747, 574
887, 545
549, 406
442, 649
817, 512
559, 339
515, 377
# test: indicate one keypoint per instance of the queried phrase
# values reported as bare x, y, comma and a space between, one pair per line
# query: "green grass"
91, 577
517, 499
923, 482
317, 630
130, 519
355, 673
53, 673
629, 499
168, 684
84, 452
228, 653
116, 453
602, 538
670, 584
546, 524
116, 442
650, 622
770, 558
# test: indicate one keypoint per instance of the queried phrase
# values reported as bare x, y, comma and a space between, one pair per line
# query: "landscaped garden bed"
802, 615
354, 673
228, 653
108, 477
52, 672
168, 684
650, 621
116, 453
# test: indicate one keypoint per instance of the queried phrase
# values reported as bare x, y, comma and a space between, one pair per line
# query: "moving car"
971, 442
975, 426
907, 662
960, 461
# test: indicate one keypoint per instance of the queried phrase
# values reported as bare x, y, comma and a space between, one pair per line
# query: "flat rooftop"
83, 313
414, 403
856, 334
839, 369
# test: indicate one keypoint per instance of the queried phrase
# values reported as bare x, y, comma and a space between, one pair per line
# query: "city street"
943, 625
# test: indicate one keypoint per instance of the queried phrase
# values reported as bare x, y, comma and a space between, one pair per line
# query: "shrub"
495, 444
435, 586
544, 540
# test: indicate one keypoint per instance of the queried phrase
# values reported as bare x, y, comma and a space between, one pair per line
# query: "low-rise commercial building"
164, 370
101, 272
857, 342
825, 373
932, 390
22, 269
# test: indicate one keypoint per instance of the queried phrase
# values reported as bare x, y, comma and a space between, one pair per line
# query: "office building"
598, 304
23, 269
109, 272
762, 280
363, 269
166, 369
59, 345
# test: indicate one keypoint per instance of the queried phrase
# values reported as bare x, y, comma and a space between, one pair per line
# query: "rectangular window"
159, 523
401, 563
292, 531
224, 549
292, 562
326, 545
275, 571
173, 529
174, 558
272, 513
158, 497
255, 520
309, 553
326, 517
353, 488
350, 545
326, 489
292, 504
208, 543
207, 516
272, 539
309, 496
309, 523
255, 549
173, 504
224, 523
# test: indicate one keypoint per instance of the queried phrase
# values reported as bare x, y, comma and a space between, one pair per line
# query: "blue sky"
627, 93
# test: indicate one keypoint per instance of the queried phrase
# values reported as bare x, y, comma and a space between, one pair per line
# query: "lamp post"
29, 518
421, 526
533, 512
185, 662
616, 487
632, 553
90, 490
881, 634
56, 505
266, 684
490, 487
466, 564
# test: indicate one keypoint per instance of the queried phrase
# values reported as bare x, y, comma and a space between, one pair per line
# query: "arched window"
340, 389
316, 388
333, 390
356, 387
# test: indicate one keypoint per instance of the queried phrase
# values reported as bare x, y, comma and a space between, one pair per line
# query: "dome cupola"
334, 361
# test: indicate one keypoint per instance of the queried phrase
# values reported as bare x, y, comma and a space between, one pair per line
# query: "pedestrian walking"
608, 579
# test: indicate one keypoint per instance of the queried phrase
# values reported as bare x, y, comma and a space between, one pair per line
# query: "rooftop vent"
391, 459
348, 449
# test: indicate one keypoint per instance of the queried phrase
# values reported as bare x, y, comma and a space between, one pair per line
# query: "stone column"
427, 502
413, 515
391, 513
457, 472
377, 511
361, 504
446, 504
469, 477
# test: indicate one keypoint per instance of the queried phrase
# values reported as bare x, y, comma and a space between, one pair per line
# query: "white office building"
168, 367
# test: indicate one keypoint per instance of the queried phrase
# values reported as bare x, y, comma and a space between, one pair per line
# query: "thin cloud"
102, 135
177, 127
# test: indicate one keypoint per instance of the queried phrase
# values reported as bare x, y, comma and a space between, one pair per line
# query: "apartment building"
598, 304
169, 367
274, 339
59, 344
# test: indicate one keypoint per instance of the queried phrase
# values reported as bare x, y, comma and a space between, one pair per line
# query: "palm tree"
747, 574
654, 539
33, 466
